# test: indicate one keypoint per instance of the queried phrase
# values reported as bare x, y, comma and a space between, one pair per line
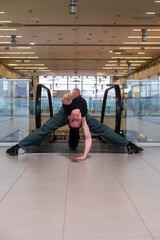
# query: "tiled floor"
108, 196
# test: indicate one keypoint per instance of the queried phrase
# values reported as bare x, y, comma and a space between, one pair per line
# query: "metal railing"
38, 104
118, 106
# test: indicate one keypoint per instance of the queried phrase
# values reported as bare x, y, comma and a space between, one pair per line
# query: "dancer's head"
75, 119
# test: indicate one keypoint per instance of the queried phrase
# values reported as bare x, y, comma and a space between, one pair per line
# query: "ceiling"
80, 43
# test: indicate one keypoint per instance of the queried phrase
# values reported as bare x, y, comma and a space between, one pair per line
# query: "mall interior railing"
38, 104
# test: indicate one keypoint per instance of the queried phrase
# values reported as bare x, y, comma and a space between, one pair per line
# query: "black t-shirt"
77, 103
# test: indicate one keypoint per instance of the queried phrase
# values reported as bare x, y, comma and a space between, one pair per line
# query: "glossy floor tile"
109, 196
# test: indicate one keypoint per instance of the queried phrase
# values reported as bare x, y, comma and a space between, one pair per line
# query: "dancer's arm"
88, 141
67, 98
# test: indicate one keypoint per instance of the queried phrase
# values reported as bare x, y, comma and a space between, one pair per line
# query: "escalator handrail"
118, 106
38, 104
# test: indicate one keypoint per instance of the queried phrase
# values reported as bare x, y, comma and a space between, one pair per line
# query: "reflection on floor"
111, 196
15, 136
13, 129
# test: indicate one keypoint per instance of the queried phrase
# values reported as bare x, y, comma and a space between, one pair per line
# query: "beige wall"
146, 72
7, 73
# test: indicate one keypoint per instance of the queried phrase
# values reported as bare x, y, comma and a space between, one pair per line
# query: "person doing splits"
74, 113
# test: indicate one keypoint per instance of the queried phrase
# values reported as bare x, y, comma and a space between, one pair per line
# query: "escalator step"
61, 146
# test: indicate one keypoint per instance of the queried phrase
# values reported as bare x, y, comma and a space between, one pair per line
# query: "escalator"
59, 142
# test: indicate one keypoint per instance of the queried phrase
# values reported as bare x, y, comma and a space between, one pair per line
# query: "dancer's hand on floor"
81, 158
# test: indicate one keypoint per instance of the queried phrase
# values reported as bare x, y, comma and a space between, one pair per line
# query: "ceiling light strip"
139, 37
7, 53
8, 29
123, 61
148, 30
10, 36
140, 43
133, 57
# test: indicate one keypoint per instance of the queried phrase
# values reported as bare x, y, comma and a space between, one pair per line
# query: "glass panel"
110, 111
143, 110
60, 83
14, 109
45, 113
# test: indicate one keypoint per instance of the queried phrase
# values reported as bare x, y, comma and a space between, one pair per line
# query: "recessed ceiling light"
32, 57
30, 68
134, 37
111, 65
12, 64
32, 43
153, 37
117, 68
2, 12
130, 42
122, 65
142, 43
157, 1
140, 61
155, 48
10, 36
130, 48
145, 57
152, 43
23, 47
17, 53
118, 57
110, 51
123, 61
150, 13
25, 64
5, 21
8, 29
39, 64
133, 57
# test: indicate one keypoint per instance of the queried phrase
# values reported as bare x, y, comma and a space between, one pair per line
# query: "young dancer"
74, 113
